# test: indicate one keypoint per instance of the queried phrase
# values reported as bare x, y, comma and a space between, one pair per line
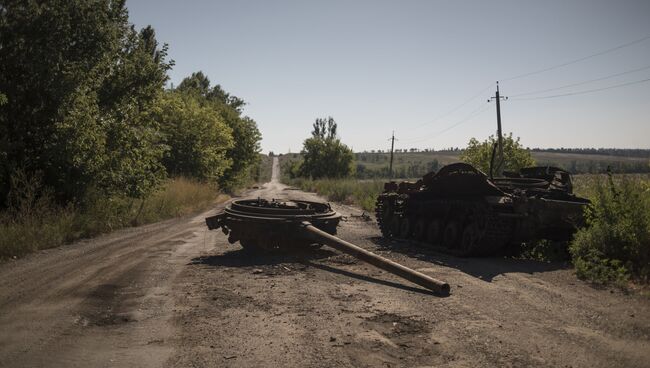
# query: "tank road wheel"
395, 225
470, 239
405, 228
433, 232
420, 230
451, 235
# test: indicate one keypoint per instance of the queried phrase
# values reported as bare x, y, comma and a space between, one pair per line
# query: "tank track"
379, 215
496, 233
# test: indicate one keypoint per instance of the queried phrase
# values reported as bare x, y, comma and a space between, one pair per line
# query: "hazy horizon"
379, 66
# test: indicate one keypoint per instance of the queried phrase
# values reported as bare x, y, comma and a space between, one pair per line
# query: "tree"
80, 85
244, 155
479, 154
199, 83
197, 138
323, 153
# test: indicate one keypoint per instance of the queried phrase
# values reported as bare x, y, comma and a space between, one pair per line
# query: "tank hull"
461, 211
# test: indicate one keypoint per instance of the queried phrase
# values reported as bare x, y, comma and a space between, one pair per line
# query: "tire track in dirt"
101, 302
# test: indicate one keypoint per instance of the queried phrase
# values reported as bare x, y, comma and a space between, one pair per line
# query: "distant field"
593, 163
415, 164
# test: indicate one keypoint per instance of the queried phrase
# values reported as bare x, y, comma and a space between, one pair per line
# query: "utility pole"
498, 98
392, 146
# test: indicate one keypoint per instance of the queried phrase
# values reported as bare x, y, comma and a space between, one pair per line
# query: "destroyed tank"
460, 210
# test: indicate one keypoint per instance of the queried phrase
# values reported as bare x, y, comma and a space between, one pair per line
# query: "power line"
583, 92
456, 108
481, 109
581, 83
579, 59
473, 114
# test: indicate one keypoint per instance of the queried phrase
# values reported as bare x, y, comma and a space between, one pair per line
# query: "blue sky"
379, 66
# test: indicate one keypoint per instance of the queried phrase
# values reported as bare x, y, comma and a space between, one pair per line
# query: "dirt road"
172, 294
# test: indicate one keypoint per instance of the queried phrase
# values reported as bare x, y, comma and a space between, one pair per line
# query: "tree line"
84, 107
621, 152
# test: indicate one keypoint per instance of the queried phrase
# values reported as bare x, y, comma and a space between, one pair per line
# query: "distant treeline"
416, 150
621, 152
589, 166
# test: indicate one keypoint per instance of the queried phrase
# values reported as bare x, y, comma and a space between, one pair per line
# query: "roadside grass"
362, 193
35, 222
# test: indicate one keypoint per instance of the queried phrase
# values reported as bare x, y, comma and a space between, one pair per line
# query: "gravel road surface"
173, 294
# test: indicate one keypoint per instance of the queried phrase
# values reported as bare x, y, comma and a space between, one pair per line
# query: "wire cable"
473, 114
583, 92
581, 83
457, 107
579, 59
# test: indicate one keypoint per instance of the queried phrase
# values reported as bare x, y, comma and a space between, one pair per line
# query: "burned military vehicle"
462, 211
262, 226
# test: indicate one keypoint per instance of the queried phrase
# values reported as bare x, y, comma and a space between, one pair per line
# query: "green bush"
479, 154
615, 244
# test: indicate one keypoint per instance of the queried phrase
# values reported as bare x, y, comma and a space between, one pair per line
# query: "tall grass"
35, 222
362, 193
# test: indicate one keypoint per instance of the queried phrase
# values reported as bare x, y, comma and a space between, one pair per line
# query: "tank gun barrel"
395, 268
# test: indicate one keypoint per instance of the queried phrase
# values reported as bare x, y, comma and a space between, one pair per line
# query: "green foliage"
80, 84
479, 154
198, 83
197, 138
615, 244
88, 133
349, 191
244, 155
544, 250
324, 156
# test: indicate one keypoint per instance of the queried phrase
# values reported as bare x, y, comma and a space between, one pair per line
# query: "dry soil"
173, 294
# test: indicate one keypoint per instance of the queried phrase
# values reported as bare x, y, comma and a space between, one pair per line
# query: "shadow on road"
372, 279
484, 268
242, 258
